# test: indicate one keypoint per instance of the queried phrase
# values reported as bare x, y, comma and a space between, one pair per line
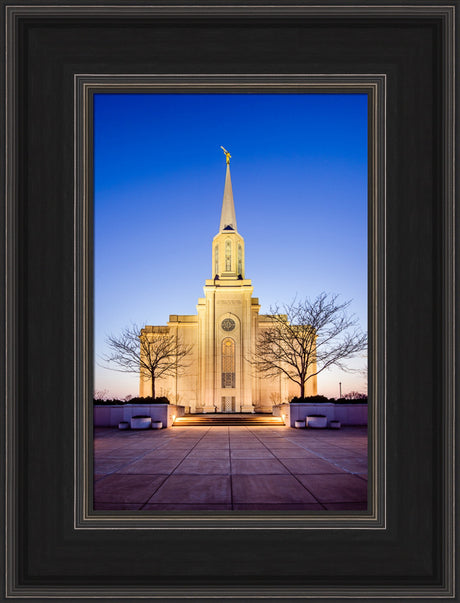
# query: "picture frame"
86, 87
408, 551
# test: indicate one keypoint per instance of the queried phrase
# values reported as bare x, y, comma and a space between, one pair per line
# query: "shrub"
322, 399
351, 401
161, 400
355, 396
310, 400
149, 400
103, 401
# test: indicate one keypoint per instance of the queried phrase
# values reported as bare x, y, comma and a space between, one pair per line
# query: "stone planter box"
111, 415
334, 424
299, 424
157, 425
166, 413
108, 415
317, 422
351, 414
347, 414
141, 422
123, 425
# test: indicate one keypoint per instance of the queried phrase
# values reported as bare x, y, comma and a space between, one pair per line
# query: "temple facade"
218, 376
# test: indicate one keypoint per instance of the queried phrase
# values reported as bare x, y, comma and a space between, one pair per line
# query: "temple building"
218, 376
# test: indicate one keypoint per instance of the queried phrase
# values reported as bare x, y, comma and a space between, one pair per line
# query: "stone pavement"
230, 468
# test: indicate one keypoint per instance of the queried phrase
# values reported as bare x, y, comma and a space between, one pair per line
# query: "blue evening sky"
299, 176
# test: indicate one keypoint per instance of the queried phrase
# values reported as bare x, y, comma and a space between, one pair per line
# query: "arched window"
228, 256
216, 260
240, 260
228, 362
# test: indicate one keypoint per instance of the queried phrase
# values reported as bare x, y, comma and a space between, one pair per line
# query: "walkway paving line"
293, 475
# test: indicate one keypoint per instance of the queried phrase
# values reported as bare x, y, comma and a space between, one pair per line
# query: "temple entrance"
228, 404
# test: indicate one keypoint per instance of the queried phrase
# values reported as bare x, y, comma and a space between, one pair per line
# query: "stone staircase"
227, 419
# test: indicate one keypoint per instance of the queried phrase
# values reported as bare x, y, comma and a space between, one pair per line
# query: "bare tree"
355, 396
150, 353
101, 394
306, 337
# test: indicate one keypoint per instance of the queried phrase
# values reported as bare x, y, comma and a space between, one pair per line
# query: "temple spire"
228, 218
228, 244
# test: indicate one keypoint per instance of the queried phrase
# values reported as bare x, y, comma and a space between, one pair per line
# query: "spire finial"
227, 154
227, 219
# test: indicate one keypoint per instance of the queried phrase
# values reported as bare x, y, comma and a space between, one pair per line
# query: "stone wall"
111, 415
347, 414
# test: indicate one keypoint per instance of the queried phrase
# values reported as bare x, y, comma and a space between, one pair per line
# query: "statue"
227, 154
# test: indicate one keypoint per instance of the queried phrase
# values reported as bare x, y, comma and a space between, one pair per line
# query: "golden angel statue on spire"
227, 154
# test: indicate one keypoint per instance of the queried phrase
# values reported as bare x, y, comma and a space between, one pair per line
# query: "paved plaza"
230, 468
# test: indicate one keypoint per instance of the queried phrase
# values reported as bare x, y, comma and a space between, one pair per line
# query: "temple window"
228, 256
228, 362
216, 260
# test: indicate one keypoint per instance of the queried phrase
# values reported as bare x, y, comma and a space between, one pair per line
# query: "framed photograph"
227, 449
74, 532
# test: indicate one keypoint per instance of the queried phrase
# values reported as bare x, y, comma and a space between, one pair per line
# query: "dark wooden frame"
47, 553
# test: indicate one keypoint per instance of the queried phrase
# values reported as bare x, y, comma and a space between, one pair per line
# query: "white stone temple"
218, 377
